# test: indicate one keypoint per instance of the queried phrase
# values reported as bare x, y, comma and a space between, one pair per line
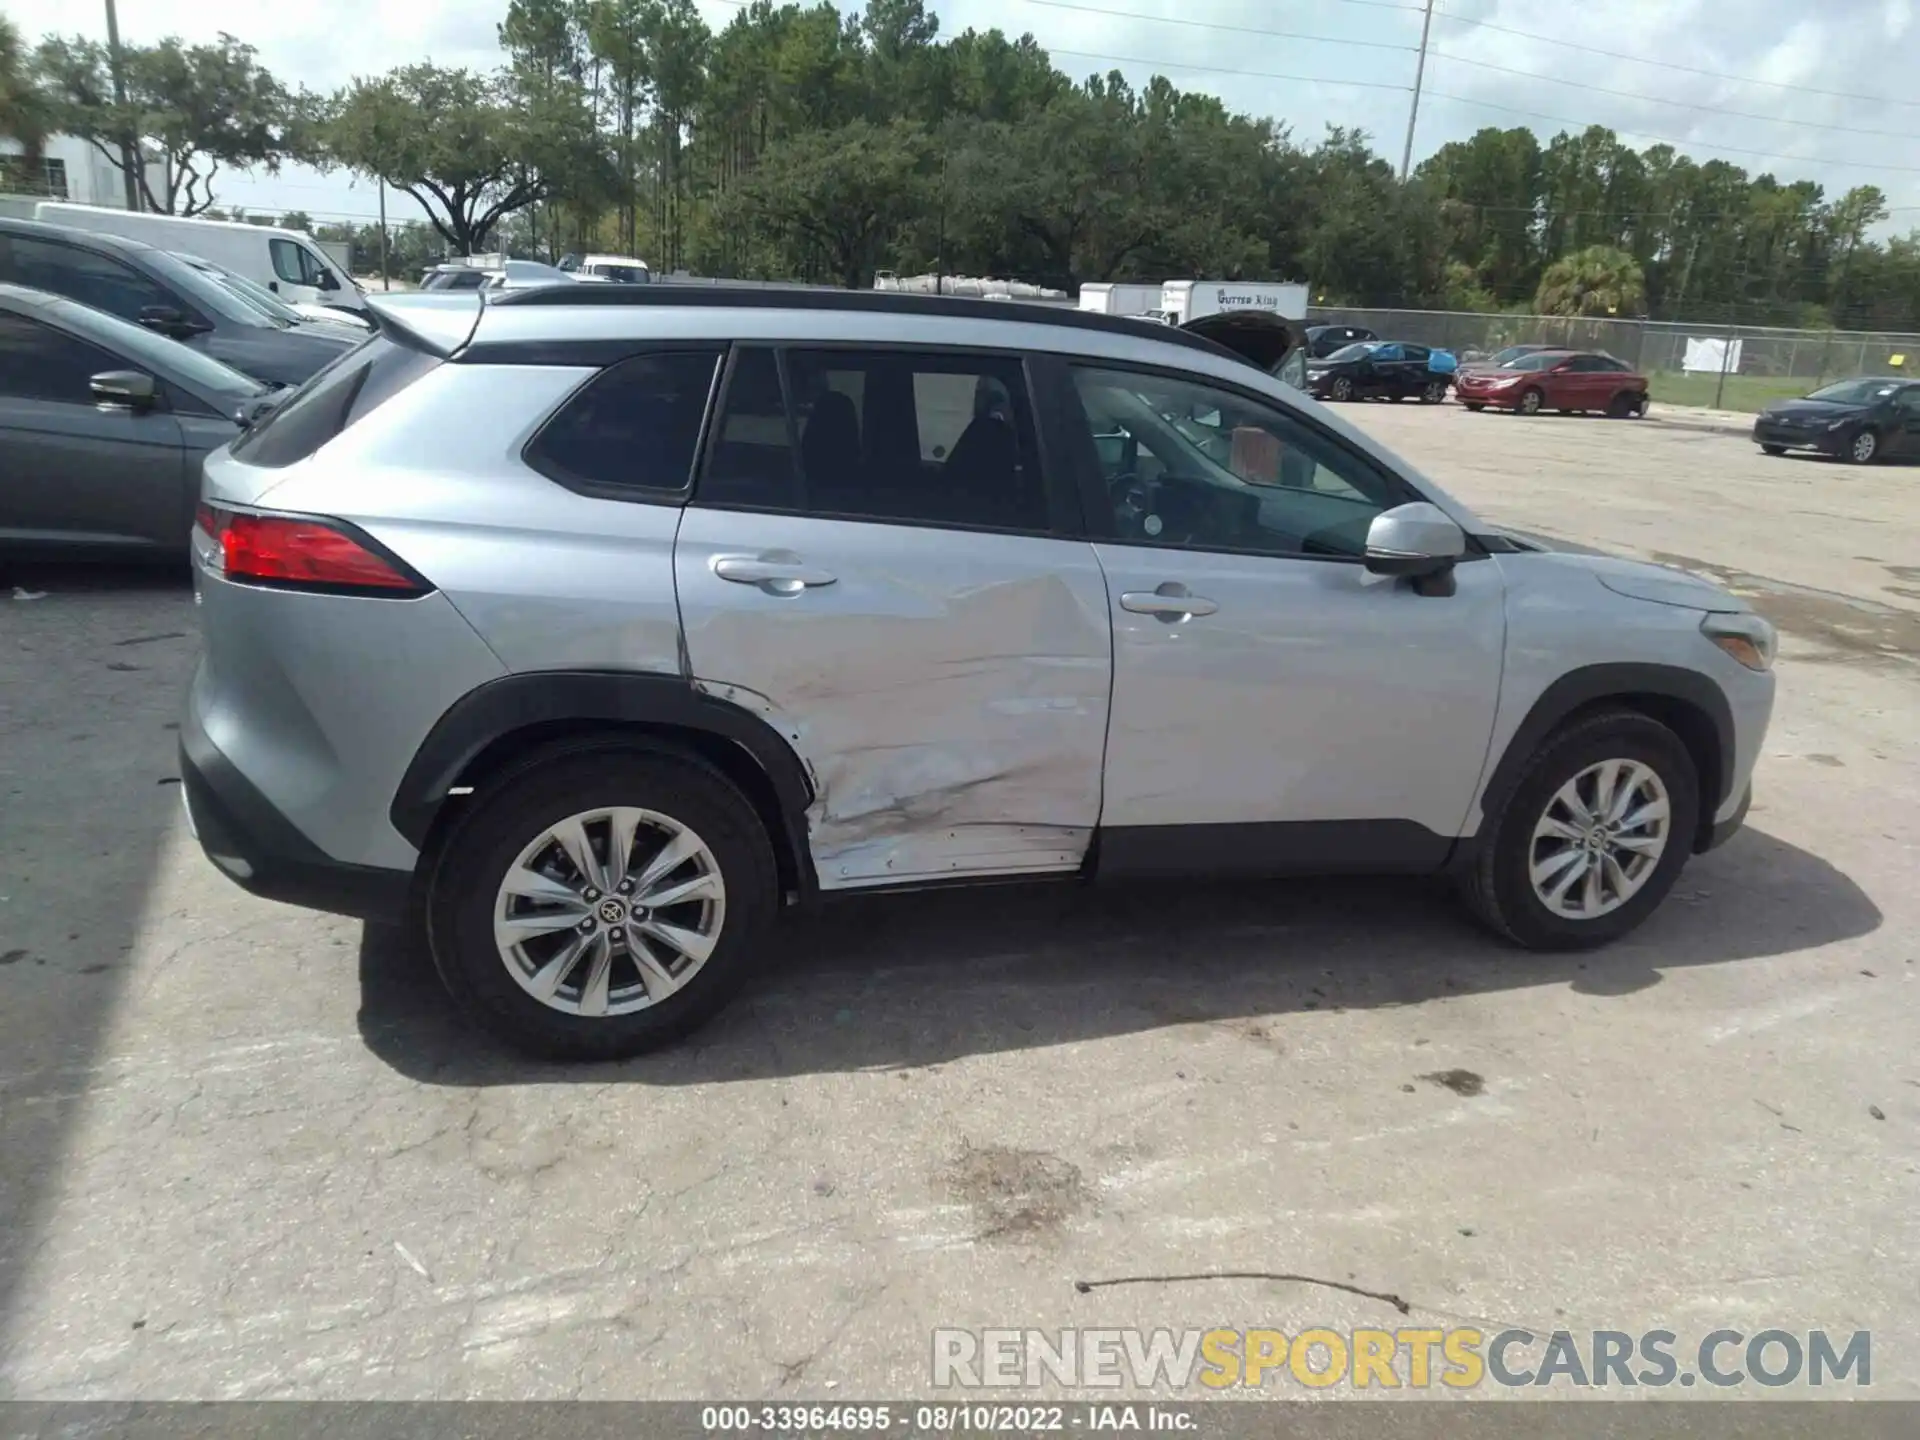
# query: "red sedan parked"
1563, 380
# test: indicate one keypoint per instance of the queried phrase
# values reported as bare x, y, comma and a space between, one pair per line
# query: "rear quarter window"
631, 432
335, 397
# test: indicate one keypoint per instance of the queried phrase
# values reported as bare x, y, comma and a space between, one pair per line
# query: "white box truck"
1185, 300
288, 262
1103, 298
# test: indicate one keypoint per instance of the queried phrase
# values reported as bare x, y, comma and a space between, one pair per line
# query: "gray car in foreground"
103, 426
602, 622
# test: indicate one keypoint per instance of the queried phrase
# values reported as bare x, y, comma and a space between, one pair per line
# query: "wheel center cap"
611, 911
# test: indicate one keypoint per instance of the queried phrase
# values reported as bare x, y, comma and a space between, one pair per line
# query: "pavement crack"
1403, 1306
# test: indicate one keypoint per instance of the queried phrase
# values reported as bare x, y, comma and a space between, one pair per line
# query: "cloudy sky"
1816, 89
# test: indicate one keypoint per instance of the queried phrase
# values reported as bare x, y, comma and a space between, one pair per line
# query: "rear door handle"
777, 575
1170, 602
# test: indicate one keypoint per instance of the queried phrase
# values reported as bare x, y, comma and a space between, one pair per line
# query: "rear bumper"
260, 850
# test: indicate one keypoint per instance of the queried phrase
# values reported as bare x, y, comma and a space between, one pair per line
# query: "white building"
71, 169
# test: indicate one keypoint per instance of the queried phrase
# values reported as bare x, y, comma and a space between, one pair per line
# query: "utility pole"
1419, 78
386, 281
128, 149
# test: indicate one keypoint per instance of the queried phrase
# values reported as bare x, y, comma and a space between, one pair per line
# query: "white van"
613, 269
290, 263
1103, 298
1186, 300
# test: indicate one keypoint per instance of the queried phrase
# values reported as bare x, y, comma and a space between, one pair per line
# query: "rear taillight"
296, 552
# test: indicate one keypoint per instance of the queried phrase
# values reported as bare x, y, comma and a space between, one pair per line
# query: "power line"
1664, 64
1213, 25
1224, 70
1662, 100
1678, 144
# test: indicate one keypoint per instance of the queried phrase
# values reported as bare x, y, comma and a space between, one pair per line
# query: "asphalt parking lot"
245, 1151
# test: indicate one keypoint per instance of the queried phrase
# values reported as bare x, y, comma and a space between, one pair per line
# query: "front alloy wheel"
1341, 389
1599, 839
1530, 402
1435, 392
1863, 447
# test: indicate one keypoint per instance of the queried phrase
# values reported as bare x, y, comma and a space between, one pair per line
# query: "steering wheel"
1134, 499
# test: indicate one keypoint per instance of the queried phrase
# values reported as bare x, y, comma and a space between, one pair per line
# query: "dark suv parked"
165, 294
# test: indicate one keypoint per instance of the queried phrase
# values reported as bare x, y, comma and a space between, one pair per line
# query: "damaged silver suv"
600, 623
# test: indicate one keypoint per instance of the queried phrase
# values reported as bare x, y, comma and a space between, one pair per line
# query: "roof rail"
883, 302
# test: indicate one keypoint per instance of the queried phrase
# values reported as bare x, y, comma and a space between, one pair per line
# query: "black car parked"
1323, 340
1853, 420
163, 293
1371, 368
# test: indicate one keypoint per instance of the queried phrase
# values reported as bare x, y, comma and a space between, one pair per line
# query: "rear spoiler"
431, 322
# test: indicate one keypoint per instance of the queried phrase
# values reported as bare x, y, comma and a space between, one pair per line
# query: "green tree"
24, 109
297, 220
833, 201
1599, 280
193, 107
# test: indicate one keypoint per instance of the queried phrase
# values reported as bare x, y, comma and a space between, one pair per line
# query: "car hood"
1814, 409
281, 357
1635, 579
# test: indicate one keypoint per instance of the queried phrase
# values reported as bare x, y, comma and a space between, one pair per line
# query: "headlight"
1745, 636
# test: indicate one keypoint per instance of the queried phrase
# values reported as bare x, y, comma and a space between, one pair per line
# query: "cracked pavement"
246, 1152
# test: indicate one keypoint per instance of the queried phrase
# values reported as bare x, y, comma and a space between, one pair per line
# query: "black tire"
1773, 449
1627, 406
511, 813
1434, 393
1474, 405
1341, 389
1862, 447
1498, 888
1530, 402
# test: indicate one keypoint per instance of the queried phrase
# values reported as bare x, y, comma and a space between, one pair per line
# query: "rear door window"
331, 400
631, 432
38, 362
84, 275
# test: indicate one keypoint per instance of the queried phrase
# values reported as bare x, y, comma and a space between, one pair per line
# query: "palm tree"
1599, 280
23, 110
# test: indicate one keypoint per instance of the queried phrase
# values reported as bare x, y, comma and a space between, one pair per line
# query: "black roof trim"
880, 302
101, 240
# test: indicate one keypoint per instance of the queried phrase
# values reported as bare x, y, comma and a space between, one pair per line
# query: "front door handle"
777, 574
1171, 602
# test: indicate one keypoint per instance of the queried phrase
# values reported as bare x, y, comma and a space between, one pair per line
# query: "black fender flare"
1626, 682
582, 698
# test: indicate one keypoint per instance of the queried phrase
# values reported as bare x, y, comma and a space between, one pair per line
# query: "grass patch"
1743, 392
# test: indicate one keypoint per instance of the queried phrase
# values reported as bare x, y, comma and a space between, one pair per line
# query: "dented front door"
946, 690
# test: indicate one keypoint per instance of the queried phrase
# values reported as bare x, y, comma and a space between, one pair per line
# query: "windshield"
255, 295
1358, 351
208, 293
1856, 392
1538, 360
168, 358
1513, 353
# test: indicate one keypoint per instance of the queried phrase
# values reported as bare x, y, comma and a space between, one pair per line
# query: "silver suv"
602, 622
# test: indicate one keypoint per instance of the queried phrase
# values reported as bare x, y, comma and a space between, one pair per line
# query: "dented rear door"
870, 565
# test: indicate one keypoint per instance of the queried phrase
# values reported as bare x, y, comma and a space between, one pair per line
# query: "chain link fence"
1763, 363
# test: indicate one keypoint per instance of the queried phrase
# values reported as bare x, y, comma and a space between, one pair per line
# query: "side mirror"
132, 389
329, 281
1419, 539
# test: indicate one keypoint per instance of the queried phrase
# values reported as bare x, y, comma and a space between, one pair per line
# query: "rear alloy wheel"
1862, 448
1530, 402
601, 903
1341, 389
1773, 449
1591, 836
1434, 393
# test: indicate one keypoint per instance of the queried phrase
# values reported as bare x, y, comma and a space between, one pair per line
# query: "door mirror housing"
1417, 539
170, 322
133, 389
329, 281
